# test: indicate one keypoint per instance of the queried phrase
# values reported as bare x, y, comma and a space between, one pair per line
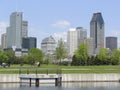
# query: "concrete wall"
90, 77
68, 77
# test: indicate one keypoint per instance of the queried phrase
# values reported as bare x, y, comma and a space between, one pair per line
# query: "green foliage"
115, 59
11, 56
81, 54
3, 57
35, 55
61, 52
104, 56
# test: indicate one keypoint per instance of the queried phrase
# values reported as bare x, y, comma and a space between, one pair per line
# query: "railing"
41, 71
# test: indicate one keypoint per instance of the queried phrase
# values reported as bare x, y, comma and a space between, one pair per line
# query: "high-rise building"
81, 35
75, 37
3, 41
24, 28
111, 43
97, 31
48, 45
72, 41
89, 42
29, 42
16, 30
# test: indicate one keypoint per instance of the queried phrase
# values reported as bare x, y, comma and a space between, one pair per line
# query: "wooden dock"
47, 75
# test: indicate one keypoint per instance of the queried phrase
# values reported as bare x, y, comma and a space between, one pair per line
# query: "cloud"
61, 24
3, 26
60, 35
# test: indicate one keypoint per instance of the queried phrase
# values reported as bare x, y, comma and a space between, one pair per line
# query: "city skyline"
57, 17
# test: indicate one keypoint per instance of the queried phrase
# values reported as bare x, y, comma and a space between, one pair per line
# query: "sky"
56, 17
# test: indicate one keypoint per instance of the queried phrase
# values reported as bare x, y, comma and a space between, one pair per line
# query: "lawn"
16, 69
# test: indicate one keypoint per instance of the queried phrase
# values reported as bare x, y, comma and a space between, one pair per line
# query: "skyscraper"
16, 30
72, 41
81, 35
111, 43
74, 38
97, 31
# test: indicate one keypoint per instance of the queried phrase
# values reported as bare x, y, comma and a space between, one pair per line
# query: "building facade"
89, 42
29, 42
111, 43
24, 28
72, 41
75, 37
16, 30
81, 35
48, 45
97, 31
3, 41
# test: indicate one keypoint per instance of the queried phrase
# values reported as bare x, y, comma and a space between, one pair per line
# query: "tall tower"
72, 41
16, 30
97, 32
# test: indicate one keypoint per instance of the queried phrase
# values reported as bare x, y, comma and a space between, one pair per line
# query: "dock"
41, 74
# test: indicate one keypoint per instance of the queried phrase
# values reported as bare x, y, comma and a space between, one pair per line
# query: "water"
65, 86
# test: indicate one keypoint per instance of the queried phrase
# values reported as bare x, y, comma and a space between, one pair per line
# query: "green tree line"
105, 57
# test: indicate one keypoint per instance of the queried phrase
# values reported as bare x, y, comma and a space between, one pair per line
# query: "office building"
89, 42
72, 41
29, 42
111, 43
97, 31
48, 45
3, 41
81, 35
24, 29
16, 30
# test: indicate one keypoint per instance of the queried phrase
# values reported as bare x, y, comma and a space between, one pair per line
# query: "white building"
48, 45
74, 38
72, 41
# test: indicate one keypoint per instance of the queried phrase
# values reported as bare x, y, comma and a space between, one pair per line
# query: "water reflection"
65, 86
92, 84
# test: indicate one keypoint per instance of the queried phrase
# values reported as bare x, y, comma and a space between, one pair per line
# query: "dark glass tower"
97, 31
29, 42
111, 43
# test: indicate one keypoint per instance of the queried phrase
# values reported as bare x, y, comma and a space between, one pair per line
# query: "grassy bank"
15, 69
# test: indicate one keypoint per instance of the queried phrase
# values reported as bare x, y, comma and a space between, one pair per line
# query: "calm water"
65, 86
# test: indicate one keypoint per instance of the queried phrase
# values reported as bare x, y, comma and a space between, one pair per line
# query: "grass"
15, 69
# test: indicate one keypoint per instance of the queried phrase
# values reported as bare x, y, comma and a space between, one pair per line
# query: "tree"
3, 58
11, 56
81, 54
115, 58
61, 52
104, 56
35, 55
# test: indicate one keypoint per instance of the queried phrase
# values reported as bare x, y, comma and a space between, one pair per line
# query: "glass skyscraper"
17, 30
97, 31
